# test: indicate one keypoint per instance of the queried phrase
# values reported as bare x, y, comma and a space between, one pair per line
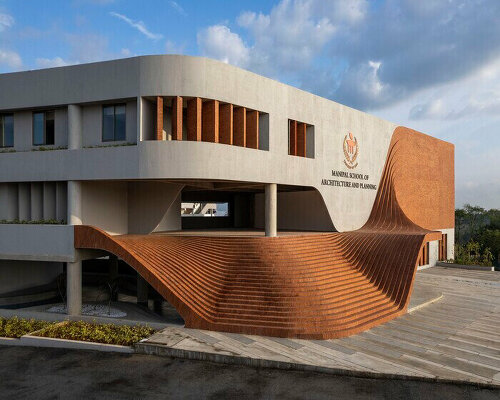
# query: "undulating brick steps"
312, 286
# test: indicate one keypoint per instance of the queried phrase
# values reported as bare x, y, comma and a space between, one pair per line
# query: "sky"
431, 65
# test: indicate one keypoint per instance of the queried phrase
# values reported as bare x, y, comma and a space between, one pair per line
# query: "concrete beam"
240, 126
271, 210
194, 119
252, 129
177, 118
210, 121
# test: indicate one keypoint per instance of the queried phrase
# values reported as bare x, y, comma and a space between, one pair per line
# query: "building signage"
350, 184
351, 149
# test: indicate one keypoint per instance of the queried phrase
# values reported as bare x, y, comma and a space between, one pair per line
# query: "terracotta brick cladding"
315, 286
194, 119
226, 123
159, 118
252, 129
240, 126
301, 139
210, 121
177, 118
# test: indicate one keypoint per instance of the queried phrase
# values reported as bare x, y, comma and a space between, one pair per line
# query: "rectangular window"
300, 139
204, 209
43, 128
113, 123
7, 130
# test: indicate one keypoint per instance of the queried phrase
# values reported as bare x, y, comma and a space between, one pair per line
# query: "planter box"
460, 266
39, 341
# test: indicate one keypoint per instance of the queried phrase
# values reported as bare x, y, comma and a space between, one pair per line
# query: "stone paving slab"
454, 338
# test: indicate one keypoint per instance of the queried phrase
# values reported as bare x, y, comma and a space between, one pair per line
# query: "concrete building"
322, 212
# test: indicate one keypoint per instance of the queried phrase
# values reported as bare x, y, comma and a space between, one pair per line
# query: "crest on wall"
351, 149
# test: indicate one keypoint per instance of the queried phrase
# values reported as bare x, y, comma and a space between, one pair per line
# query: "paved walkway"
457, 337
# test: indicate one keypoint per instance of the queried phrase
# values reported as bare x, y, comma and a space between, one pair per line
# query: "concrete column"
74, 127
271, 211
113, 276
142, 291
74, 203
210, 121
194, 119
24, 201
74, 287
74, 270
177, 118
240, 126
36, 211
49, 200
226, 123
159, 118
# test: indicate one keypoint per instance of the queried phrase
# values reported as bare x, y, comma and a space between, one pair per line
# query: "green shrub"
15, 327
34, 222
101, 333
472, 254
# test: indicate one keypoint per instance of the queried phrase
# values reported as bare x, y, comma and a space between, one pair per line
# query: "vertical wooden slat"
252, 129
301, 139
194, 119
159, 118
226, 123
210, 121
293, 138
177, 118
240, 126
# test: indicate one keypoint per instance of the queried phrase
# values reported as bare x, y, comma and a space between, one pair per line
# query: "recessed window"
205, 209
300, 139
43, 128
6, 130
113, 123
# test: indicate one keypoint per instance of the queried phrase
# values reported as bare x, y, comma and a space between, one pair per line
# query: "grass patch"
100, 333
15, 327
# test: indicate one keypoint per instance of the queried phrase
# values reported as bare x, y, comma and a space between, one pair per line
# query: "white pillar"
74, 269
271, 209
74, 287
74, 127
74, 203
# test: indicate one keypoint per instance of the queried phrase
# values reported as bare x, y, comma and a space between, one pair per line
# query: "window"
43, 128
6, 130
423, 258
113, 123
300, 139
204, 209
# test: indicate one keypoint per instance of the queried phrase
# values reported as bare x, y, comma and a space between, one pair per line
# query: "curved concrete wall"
349, 202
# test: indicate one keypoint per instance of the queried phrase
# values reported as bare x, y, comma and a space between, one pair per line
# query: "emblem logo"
351, 148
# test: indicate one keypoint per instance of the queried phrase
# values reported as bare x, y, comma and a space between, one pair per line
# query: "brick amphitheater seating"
313, 286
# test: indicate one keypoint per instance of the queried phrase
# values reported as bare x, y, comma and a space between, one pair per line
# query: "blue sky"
432, 65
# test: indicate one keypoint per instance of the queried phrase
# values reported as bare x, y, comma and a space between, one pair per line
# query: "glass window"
7, 130
120, 133
43, 128
107, 124
113, 123
49, 127
38, 128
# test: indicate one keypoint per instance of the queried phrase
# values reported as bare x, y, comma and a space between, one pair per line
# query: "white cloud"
6, 21
177, 7
51, 62
220, 43
139, 25
173, 48
11, 59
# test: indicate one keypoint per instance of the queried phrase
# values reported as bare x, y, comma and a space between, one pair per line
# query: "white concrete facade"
135, 185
